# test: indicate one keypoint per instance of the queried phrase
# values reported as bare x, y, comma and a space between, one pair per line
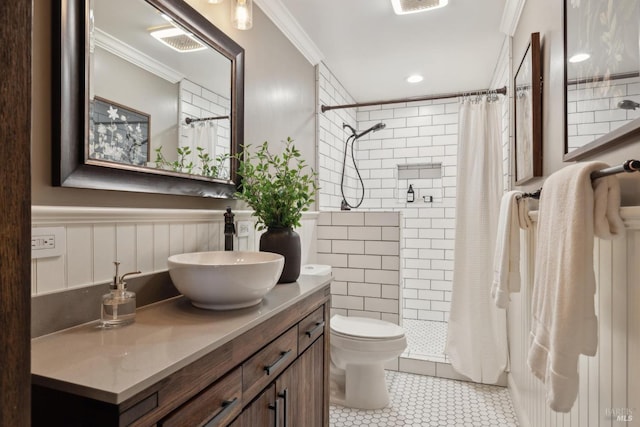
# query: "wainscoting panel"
609, 393
140, 239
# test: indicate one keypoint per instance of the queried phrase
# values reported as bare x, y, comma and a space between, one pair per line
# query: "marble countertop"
112, 365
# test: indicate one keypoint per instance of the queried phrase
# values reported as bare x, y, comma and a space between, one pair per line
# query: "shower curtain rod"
501, 91
631, 165
189, 120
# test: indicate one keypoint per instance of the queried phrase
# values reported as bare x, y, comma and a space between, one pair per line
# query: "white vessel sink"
222, 280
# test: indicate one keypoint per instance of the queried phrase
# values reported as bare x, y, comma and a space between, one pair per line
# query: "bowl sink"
225, 280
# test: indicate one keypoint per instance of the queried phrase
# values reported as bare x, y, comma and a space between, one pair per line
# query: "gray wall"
546, 17
120, 81
279, 102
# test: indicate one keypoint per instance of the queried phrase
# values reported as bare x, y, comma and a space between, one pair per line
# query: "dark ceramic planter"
286, 242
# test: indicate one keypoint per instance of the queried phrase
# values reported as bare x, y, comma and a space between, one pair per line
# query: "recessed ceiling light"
415, 78
402, 7
579, 57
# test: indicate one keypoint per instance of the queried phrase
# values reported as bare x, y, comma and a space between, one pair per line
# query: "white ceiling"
372, 51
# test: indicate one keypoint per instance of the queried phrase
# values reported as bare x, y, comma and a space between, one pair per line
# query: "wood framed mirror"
144, 112
602, 75
528, 114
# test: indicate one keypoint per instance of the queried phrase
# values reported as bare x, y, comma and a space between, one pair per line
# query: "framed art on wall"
118, 134
528, 114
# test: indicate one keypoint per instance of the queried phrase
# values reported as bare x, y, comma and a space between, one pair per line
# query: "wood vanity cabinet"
275, 374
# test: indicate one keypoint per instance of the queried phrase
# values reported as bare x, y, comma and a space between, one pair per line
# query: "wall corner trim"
284, 20
511, 16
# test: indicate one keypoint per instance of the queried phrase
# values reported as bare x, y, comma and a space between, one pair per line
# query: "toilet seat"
365, 329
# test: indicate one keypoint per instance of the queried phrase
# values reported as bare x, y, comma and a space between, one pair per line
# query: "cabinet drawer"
310, 328
265, 365
215, 406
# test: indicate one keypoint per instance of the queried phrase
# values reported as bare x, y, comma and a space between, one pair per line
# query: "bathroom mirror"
602, 75
148, 97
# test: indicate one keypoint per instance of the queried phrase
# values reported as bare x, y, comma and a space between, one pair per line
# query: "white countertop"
112, 365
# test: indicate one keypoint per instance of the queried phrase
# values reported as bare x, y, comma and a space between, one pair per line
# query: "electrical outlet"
47, 242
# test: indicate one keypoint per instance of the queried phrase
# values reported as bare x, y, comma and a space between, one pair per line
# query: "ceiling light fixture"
177, 39
242, 14
579, 57
402, 7
415, 78
215, 1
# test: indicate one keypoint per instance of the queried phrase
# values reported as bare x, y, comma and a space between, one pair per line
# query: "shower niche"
423, 179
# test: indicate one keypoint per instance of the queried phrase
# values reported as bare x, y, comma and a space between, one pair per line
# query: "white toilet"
359, 349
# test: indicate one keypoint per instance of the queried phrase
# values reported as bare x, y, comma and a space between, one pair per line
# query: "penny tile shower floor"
422, 401
426, 340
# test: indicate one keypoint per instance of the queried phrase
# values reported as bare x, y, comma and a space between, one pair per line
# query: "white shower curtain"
203, 135
476, 339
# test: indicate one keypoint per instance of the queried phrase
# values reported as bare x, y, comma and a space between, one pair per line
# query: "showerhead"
627, 104
374, 128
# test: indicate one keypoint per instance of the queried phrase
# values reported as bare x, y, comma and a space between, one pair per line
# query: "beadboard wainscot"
609, 393
141, 239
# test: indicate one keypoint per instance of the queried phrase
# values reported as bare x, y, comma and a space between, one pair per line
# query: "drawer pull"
274, 365
276, 411
227, 406
285, 395
313, 331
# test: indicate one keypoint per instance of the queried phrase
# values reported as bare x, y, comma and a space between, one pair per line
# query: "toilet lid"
363, 327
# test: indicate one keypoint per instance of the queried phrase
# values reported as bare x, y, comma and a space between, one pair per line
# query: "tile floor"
425, 340
422, 401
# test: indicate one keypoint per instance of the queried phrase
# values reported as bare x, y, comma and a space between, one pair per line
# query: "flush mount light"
402, 7
177, 39
579, 57
415, 78
242, 14
215, 1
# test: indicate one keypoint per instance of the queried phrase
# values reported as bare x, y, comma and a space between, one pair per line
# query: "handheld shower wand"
344, 205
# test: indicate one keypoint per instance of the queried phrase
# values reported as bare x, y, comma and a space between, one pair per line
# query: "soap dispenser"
119, 305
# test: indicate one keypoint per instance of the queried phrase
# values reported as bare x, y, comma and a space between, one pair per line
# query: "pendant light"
242, 14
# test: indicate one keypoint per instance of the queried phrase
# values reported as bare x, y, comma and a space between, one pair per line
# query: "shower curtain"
476, 338
204, 135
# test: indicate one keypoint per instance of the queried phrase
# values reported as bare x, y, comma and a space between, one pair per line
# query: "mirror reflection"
602, 68
159, 97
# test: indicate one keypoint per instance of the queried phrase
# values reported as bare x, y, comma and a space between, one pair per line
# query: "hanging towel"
524, 220
564, 324
506, 261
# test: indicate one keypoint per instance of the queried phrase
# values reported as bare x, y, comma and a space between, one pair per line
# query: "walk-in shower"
344, 205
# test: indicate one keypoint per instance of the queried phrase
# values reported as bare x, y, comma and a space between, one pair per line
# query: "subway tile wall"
364, 250
141, 239
331, 140
593, 112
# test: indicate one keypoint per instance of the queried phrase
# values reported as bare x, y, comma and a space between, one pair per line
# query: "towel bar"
631, 165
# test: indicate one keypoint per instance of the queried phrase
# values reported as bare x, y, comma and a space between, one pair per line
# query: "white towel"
506, 260
564, 323
524, 220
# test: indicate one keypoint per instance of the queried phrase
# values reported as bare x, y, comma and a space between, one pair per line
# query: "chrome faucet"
229, 229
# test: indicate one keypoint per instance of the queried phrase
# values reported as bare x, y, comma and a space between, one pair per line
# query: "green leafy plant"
211, 167
276, 186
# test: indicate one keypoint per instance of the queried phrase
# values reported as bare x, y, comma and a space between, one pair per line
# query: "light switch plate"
48, 242
244, 228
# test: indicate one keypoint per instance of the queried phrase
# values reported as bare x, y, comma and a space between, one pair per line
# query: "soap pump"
119, 305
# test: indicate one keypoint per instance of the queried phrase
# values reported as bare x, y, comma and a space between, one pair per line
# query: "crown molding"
511, 16
113, 45
284, 20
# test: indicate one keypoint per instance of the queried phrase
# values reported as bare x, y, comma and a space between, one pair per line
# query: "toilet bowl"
359, 349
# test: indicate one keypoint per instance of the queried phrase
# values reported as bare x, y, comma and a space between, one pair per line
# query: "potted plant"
278, 187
